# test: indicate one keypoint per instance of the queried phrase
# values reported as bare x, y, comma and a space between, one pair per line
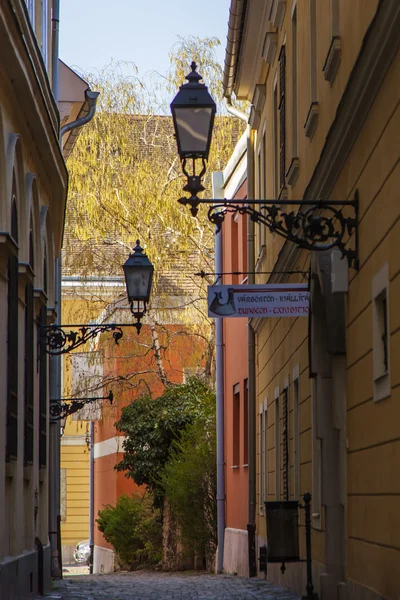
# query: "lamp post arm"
316, 225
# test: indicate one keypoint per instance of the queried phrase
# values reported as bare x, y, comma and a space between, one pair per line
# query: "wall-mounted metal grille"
282, 117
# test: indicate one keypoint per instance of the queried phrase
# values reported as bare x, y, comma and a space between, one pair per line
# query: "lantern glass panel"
138, 282
193, 128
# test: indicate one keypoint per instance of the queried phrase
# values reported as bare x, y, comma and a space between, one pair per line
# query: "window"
31, 11
285, 444
333, 58
63, 495
262, 187
235, 247
246, 423
29, 374
381, 334
42, 395
312, 116
263, 458
295, 150
282, 117
296, 433
236, 426
45, 35
276, 141
87, 381
277, 447
316, 459
313, 50
12, 342
293, 171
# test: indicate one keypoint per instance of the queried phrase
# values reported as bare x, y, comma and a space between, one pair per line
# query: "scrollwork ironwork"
60, 409
315, 226
58, 340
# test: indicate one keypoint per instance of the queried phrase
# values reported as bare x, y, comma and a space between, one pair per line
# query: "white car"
82, 552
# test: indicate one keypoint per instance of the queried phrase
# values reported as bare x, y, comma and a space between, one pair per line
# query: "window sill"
270, 47
293, 172
312, 120
382, 388
333, 59
234, 467
245, 466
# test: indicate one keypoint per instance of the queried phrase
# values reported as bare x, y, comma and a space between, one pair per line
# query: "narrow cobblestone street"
167, 586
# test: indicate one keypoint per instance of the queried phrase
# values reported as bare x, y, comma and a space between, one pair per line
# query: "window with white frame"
381, 334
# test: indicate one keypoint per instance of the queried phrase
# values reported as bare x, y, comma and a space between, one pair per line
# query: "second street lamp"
138, 272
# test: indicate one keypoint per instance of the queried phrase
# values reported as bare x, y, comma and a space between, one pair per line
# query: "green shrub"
189, 480
134, 529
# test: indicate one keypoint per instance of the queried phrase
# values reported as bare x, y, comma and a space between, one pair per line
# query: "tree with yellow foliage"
125, 180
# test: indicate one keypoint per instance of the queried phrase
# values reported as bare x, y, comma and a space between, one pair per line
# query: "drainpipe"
91, 499
251, 525
55, 361
218, 193
91, 99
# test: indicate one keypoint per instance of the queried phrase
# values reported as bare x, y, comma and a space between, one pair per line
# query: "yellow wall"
75, 459
75, 452
373, 168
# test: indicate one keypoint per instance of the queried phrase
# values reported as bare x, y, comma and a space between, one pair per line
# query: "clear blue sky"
92, 32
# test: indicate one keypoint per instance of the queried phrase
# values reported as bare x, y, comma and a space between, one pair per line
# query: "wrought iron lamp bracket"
316, 225
57, 340
62, 408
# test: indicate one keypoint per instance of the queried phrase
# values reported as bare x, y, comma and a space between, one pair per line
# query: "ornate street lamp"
139, 277
138, 270
314, 225
193, 111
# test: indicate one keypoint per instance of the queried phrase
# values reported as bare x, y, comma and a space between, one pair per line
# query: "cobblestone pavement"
166, 586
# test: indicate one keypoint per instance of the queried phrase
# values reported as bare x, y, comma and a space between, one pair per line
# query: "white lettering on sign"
275, 300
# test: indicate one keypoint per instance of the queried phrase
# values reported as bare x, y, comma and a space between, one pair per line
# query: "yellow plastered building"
322, 77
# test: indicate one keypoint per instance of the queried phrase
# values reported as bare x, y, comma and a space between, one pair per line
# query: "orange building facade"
182, 354
233, 184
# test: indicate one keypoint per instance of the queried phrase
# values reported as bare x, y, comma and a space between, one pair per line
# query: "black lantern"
138, 272
193, 111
